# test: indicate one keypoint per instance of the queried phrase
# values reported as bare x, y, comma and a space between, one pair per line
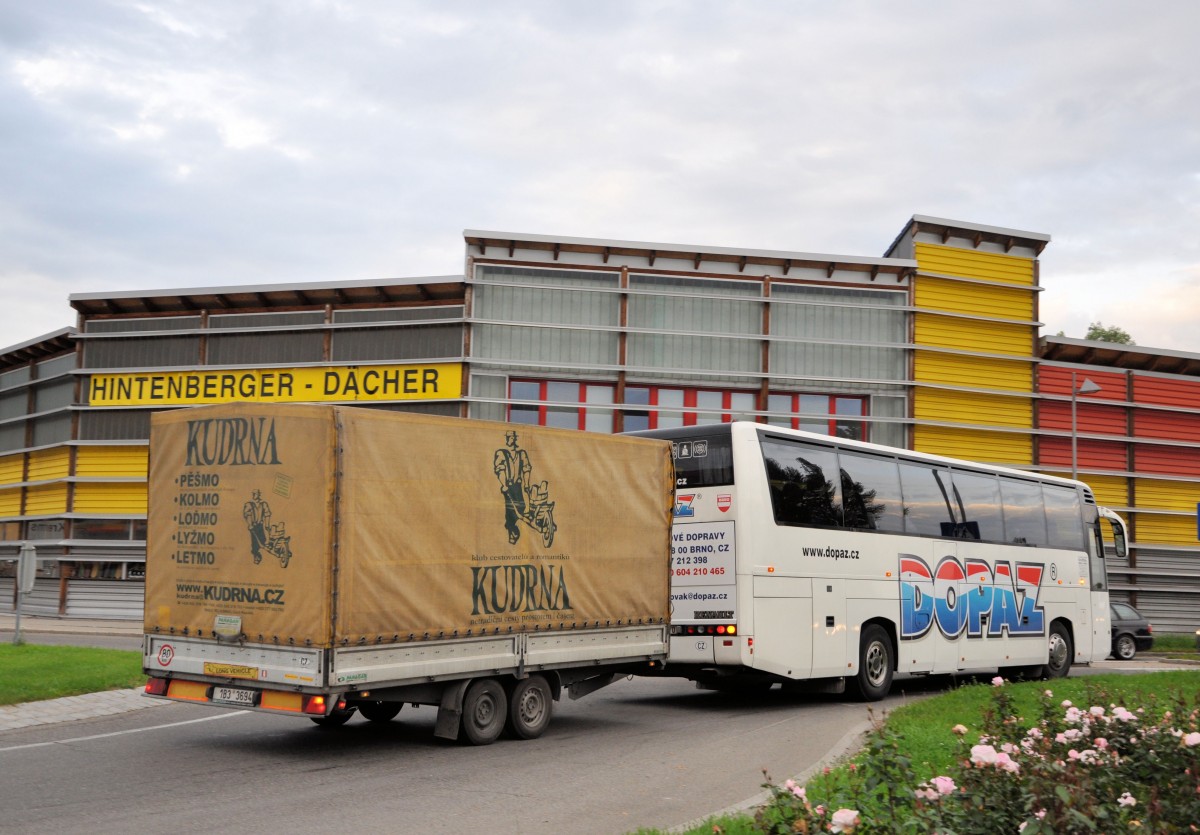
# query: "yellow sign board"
213, 668
320, 384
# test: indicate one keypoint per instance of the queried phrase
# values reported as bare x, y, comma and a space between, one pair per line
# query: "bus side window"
928, 501
870, 492
978, 498
1024, 512
804, 482
1063, 515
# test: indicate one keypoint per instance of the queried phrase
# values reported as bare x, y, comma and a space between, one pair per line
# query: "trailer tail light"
156, 687
315, 705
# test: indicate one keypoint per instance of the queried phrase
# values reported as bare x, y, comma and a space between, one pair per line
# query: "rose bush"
1103, 768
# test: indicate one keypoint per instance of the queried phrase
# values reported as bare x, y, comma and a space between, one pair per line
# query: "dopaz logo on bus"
959, 596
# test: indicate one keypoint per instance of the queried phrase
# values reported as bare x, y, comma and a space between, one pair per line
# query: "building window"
591, 406
567, 405
825, 414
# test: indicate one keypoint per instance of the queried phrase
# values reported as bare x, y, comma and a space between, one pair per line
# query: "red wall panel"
1174, 426
1090, 455
1167, 460
1052, 380
1165, 391
1089, 417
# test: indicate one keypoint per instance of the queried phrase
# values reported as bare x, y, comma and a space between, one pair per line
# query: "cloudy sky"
156, 144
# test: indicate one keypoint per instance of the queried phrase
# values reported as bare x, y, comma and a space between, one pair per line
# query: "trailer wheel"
485, 709
1058, 663
335, 719
874, 677
379, 711
529, 708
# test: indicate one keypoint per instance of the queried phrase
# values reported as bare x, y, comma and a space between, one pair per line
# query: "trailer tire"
376, 711
529, 707
484, 712
875, 655
335, 719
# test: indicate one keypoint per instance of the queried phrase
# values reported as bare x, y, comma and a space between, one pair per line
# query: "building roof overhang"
479, 242
1116, 355
389, 291
47, 345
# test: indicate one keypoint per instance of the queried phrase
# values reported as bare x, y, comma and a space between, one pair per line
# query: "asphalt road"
639, 753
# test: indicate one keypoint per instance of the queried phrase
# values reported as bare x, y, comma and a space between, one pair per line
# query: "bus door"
932, 608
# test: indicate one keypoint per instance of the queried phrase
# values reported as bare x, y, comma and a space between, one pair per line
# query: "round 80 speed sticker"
165, 653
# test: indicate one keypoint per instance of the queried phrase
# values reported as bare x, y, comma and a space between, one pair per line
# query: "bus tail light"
705, 629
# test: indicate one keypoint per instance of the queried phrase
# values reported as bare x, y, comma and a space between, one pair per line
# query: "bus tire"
1058, 662
875, 663
529, 707
484, 712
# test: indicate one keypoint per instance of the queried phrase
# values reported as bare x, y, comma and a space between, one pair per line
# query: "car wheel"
1125, 647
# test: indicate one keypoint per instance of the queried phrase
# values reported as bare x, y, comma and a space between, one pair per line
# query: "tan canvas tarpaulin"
240, 521
451, 525
442, 526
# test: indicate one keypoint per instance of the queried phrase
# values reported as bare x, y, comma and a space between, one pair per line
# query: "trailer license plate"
233, 696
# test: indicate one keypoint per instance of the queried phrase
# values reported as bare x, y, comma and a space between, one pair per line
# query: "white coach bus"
799, 557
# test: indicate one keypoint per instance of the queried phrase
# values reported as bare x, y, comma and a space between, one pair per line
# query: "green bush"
1069, 769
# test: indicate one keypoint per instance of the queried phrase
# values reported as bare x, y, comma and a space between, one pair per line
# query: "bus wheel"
1058, 664
485, 709
379, 711
874, 677
529, 707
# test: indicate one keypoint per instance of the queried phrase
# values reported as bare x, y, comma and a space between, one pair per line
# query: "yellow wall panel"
12, 469
10, 502
45, 499
1167, 495
976, 372
1153, 529
969, 407
969, 263
974, 444
110, 498
112, 461
975, 299
1109, 490
973, 335
47, 464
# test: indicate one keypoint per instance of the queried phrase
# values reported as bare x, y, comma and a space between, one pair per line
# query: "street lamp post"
1086, 387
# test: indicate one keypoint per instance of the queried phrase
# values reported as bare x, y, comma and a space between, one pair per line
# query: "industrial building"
934, 346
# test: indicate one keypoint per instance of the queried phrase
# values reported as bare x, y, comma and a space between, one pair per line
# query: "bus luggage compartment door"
783, 626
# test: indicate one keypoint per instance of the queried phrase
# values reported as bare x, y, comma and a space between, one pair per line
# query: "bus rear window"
703, 461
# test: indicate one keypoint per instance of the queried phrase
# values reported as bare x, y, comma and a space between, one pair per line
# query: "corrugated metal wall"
973, 444
112, 461
988, 266
119, 498
984, 324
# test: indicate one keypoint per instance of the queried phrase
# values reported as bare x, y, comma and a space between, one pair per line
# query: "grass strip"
31, 672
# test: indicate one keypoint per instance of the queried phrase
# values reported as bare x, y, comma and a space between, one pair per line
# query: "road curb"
845, 747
